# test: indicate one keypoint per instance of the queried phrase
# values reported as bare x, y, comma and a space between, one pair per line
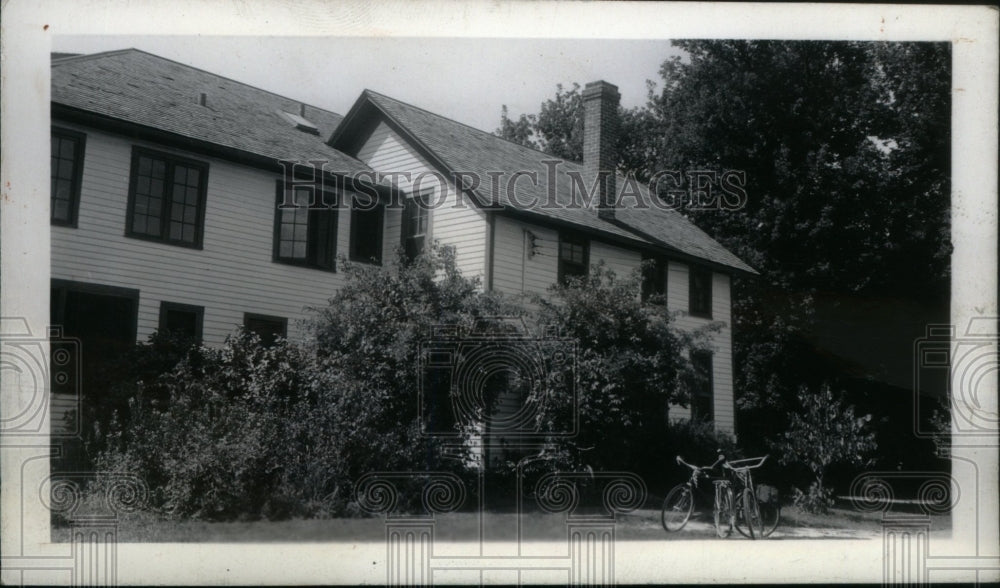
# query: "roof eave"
192, 144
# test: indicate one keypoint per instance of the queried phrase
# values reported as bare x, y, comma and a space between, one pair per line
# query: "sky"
468, 80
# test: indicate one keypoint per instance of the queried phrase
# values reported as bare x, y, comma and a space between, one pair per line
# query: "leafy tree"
559, 124
557, 129
822, 433
845, 147
519, 131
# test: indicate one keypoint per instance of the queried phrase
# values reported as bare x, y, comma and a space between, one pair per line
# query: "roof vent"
299, 122
202, 99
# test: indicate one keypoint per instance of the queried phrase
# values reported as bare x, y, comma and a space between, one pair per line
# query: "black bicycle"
679, 503
757, 510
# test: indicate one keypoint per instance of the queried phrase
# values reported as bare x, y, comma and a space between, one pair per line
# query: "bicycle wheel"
751, 515
724, 513
739, 520
770, 514
677, 508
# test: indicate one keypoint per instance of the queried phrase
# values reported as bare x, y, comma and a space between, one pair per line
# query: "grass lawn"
643, 524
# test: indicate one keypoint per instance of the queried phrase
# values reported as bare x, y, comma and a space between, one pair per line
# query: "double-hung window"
654, 279
415, 226
305, 231
166, 198
366, 231
701, 395
65, 175
700, 292
574, 254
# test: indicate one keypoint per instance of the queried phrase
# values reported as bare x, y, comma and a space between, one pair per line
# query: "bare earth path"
643, 524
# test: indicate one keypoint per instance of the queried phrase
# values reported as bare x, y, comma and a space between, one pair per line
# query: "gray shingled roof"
145, 89
466, 149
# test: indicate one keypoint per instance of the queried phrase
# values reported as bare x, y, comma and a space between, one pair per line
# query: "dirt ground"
643, 524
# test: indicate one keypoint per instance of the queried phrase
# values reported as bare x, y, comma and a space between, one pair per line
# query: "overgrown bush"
631, 364
823, 432
106, 403
244, 430
250, 430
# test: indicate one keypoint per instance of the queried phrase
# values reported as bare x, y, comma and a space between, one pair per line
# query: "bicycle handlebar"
745, 464
681, 461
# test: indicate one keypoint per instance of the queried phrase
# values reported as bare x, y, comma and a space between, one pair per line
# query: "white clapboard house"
166, 181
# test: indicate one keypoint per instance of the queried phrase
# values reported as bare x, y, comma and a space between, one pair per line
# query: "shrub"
232, 432
106, 404
630, 366
822, 433
250, 430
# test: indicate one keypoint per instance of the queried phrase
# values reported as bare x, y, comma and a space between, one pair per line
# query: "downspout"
490, 238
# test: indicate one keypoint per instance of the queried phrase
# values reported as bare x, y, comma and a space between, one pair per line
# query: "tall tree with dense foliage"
845, 147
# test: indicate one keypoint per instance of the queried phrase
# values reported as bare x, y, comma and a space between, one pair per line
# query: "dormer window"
299, 122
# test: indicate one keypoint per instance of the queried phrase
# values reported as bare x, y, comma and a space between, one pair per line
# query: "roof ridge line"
536, 150
86, 56
189, 66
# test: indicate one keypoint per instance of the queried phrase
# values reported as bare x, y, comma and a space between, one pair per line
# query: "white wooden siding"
722, 341
453, 220
232, 274
516, 268
621, 261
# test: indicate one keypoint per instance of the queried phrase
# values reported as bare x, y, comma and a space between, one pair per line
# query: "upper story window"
305, 232
654, 279
700, 292
574, 254
416, 223
701, 394
366, 232
167, 198
66, 174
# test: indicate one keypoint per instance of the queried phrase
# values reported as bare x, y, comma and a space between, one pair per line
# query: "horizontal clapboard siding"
454, 220
232, 274
620, 261
722, 342
519, 268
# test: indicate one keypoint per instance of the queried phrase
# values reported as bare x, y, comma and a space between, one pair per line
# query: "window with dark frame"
700, 292
702, 408
166, 198
654, 279
366, 233
184, 320
306, 235
268, 328
66, 175
415, 224
574, 254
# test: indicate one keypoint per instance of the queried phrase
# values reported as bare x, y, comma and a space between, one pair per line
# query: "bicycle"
751, 519
679, 502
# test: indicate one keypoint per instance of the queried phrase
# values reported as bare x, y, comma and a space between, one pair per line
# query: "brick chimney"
600, 136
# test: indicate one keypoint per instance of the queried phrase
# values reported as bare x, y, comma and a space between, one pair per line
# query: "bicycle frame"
748, 506
679, 502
